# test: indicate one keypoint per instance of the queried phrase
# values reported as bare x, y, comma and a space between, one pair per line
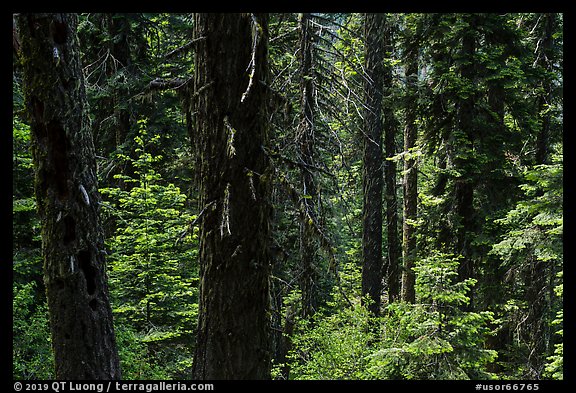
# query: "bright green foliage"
432, 339
333, 346
535, 226
412, 346
152, 263
436, 276
555, 367
533, 242
31, 354
136, 364
435, 338
25, 222
438, 289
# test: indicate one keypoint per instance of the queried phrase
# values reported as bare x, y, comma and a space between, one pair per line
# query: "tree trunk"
373, 162
68, 200
392, 265
410, 183
305, 143
119, 30
494, 182
110, 106
462, 158
494, 273
545, 61
231, 126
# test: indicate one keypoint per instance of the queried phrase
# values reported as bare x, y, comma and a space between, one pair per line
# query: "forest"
284, 196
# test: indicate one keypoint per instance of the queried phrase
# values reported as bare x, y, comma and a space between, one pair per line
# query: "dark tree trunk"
372, 174
410, 183
392, 265
462, 149
108, 62
494, 182
494, 273
68, 200
545, 59
119, 30
231, 126
537, 335
305, 142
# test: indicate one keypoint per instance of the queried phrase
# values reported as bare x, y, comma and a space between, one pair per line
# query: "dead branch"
163, 84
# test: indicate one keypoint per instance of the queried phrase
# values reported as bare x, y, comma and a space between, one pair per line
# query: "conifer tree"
372, 175
233, 339
67, 197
